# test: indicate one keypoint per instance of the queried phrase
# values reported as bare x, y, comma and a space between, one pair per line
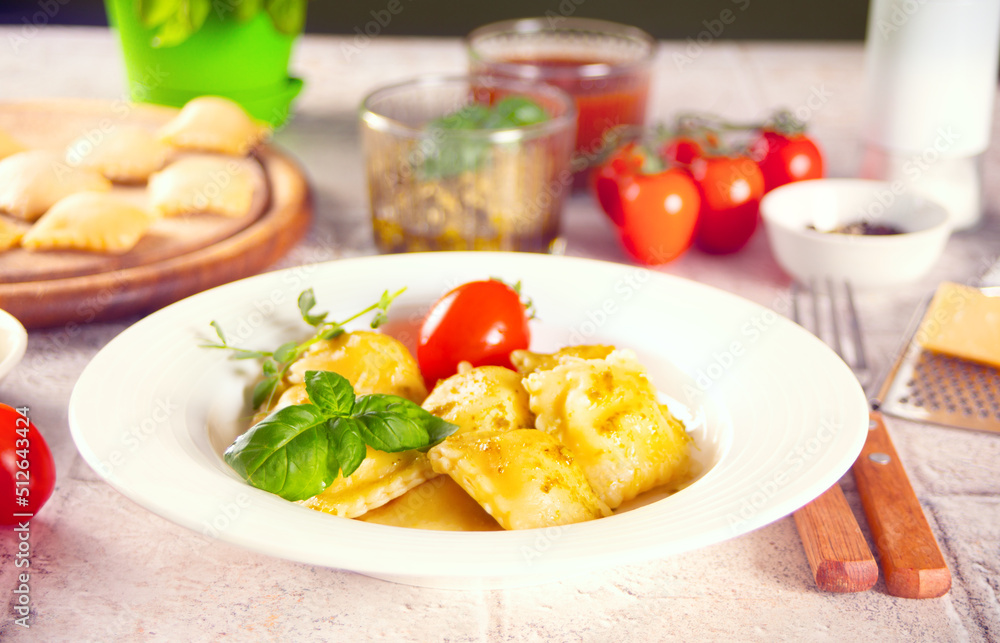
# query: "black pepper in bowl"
862, 228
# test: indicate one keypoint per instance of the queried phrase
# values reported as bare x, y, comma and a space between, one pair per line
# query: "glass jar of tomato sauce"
604, 65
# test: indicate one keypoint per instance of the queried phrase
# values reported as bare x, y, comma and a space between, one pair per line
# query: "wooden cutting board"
178, 257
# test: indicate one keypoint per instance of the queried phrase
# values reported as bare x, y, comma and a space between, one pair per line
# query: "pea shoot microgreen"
298, 451
276, 362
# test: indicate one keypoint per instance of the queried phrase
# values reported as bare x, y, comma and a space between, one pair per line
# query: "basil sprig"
451, 152
298, 451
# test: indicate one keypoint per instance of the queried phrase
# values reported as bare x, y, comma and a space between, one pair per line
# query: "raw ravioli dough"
126, 154
199, 184
94, 221
8, 145
10, 234
606, 412
213, 124
31, 183
524, 478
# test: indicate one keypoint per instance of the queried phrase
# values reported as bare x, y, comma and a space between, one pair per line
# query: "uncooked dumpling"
8, 145
126, 154
213, 124
203, 184
94, 221
606, 412
31, 182
524, 478
10, 234
372, 362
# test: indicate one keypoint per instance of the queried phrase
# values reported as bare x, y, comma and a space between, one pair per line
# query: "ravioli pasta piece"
92, 221
372, 362
606, 412
10, 234
8, 145
524, 478
213, 124
438, 504
32, 182
487, 397
527, 362
126, 154
380, 478
203, 184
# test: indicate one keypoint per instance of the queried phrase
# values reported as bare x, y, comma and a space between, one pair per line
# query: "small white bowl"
13, 342
866, 261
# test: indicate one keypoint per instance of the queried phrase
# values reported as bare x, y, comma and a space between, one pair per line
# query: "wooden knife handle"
911, 559
837, 551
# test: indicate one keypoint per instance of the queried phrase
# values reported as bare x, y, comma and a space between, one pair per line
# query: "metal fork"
834, 544
909, 554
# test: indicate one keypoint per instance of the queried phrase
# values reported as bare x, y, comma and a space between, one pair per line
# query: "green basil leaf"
391, 423
307, 301
288, 16
286, 352
263, 389
438, 429
348, 446
188, 18
156, 12
288, 453
515, 111
330, 392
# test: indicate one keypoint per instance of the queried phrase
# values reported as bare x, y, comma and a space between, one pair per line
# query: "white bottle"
931, 80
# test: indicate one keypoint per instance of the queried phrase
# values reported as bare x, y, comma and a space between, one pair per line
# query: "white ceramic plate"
13, 342
777, 417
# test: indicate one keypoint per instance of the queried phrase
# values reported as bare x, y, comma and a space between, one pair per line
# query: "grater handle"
838, 554
912, 562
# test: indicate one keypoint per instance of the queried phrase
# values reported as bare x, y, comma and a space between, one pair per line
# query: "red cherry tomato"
682, 150
604, 181
659, 213
730, 189
27, 472
787, 158
479, 322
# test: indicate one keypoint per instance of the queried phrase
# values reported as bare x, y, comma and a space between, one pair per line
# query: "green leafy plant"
176, 20
298, 451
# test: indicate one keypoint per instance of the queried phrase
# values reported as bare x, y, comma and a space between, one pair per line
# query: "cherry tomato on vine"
681, 149
27, 471
784, 158
730, 188
604, 180
659, 214
479, 322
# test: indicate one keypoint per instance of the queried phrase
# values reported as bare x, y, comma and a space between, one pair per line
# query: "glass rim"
541, 25
386, 124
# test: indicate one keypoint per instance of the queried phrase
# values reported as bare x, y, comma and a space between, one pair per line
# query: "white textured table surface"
105, 569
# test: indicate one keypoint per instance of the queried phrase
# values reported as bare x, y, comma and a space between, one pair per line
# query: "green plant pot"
244, 61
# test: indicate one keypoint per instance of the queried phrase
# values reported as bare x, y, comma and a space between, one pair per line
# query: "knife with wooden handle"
911, 558
837, 551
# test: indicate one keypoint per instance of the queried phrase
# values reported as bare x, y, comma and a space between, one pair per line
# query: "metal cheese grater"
929, 387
